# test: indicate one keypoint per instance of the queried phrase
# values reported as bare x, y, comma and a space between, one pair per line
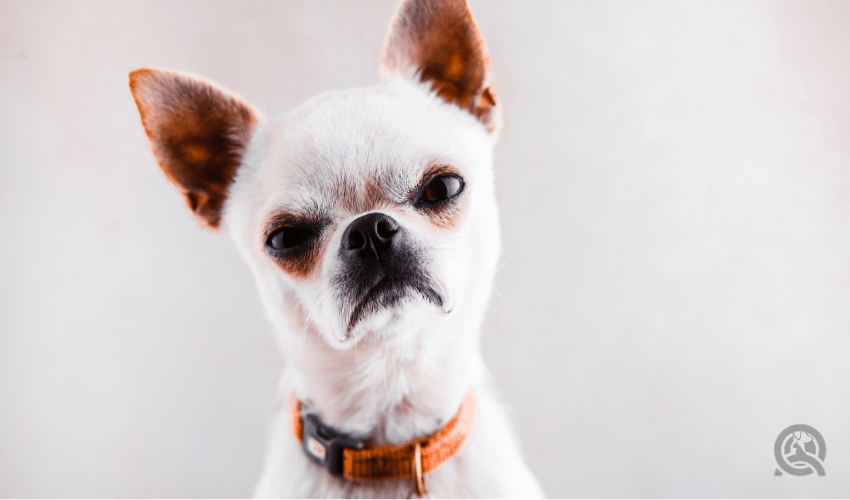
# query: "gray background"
675, 199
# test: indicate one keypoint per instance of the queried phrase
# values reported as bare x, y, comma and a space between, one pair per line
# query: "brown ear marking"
439, 42
198, 133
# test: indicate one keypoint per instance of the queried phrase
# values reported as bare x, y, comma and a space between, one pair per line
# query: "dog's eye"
441, 188
287, 238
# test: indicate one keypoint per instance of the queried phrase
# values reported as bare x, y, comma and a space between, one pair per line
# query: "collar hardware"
354, 460
324, 445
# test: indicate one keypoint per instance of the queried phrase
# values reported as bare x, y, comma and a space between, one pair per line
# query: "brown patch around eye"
446, 214
301, 260
302, 264
449, 216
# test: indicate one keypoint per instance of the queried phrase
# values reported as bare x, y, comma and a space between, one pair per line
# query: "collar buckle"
324, 445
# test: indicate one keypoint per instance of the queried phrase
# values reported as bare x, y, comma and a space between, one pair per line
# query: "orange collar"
358, 461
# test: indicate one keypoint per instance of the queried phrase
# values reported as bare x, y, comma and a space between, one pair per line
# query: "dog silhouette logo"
800, 450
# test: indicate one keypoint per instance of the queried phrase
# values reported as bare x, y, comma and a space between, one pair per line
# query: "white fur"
401, 374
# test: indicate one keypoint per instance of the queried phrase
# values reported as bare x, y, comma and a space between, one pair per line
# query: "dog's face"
363, 217
364, 214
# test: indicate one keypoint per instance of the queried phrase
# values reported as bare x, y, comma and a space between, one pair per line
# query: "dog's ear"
198, 133
438, 42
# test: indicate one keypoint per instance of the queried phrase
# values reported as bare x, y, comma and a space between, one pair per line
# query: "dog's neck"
387, 393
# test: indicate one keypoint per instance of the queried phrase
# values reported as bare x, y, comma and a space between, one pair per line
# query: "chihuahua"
368, 218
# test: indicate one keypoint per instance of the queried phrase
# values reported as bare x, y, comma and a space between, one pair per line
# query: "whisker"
500, 297
309, 320
468, 241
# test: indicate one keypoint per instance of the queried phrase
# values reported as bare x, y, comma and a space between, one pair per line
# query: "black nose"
370, 236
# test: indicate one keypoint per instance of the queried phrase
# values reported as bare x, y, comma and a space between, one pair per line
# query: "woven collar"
359, 461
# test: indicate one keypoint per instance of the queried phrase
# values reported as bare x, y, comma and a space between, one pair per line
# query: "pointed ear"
438, 42
198, 133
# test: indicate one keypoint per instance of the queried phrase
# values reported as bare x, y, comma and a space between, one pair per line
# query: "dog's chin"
390, 310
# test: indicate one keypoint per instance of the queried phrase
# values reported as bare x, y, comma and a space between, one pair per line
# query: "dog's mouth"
388, 293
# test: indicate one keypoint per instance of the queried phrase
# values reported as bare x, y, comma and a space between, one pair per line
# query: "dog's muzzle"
380, 267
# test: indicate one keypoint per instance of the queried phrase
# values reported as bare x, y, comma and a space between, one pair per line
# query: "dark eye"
287, 238
441, 188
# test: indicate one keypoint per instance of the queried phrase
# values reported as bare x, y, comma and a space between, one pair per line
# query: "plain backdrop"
674, 183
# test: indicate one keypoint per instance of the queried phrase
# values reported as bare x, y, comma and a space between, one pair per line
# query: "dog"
369, 220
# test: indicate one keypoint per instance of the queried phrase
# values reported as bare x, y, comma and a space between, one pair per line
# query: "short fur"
385, 359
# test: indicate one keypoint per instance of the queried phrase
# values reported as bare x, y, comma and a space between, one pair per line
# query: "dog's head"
364, 214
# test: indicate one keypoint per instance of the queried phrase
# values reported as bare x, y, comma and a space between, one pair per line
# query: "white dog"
369, 220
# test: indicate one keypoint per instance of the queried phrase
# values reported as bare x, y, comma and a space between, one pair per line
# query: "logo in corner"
800, 450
